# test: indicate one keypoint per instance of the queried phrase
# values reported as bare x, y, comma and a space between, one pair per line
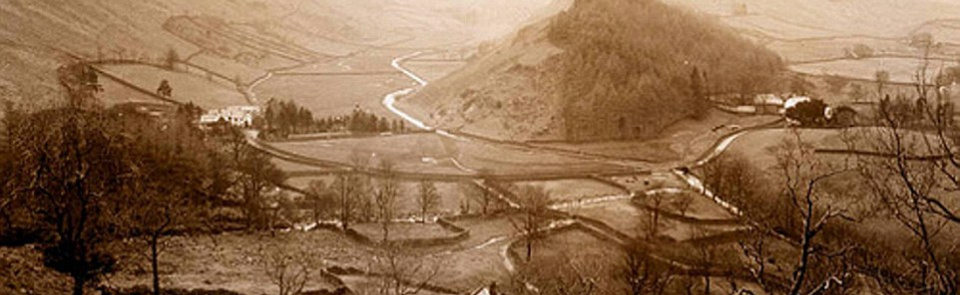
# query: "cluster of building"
240, 116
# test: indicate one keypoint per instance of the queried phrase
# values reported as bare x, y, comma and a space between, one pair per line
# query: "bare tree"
351, 188
322, 200
732, 176
755, 248
385, 197
706, 257
856, 93
482, 197
563, 274
428, 199
533, 215
401, 273
683, 202
286, 264
913, 184
167, 192
643, 274
802, 175
347, 188
257, 176
655, 202
882, 78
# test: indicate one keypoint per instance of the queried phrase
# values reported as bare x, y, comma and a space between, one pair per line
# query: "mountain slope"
37, 36
604, 69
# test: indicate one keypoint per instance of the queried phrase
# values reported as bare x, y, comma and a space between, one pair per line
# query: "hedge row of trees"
626, 67
284, 118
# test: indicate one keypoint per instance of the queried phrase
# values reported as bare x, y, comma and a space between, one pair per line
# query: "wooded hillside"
628, 67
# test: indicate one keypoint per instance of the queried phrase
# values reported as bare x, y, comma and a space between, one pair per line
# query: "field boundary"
682, 218
880, 154
132, 86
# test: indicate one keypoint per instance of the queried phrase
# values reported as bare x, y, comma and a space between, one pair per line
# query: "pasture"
333, 95
432, 153
217, 261
206, 93
566, 190
685, 140
575, 252
902, 70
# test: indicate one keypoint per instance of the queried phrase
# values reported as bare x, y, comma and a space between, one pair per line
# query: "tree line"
284, 118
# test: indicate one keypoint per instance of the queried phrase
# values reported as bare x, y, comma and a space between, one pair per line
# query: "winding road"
390, 100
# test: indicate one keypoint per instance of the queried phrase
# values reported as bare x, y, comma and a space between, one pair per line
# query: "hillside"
234, 38
603, 69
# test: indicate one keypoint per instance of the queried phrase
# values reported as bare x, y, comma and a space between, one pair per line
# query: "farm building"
768, 104
241, 116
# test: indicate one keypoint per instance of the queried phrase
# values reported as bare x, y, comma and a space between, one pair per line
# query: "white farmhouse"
241, 116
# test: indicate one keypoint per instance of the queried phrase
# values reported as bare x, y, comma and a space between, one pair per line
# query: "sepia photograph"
479, 147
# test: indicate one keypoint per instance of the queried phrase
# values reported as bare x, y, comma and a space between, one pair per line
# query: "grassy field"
819, 49
484, 229
572, 189
116, 93
359, 62
633, 221
452, 198
402, 231
684, 141
777, 28
757, 145
234, 261
901, 69
621, 215
815, 30
412, 152
292, 167
890, 18
478, 260
454, 201
468, 269
328, 96
433, 70
643, 183
227, 67
374, 285
508, 159
207, 94
428, 152
947, 31
560, 254
701, 207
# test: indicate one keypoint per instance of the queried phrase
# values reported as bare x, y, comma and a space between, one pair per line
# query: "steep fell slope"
603, 69
37, 36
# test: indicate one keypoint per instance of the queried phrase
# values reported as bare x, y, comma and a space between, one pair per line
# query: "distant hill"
37, 36
603, 69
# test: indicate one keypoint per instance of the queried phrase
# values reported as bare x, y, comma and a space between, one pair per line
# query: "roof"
768, 99
793, 101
